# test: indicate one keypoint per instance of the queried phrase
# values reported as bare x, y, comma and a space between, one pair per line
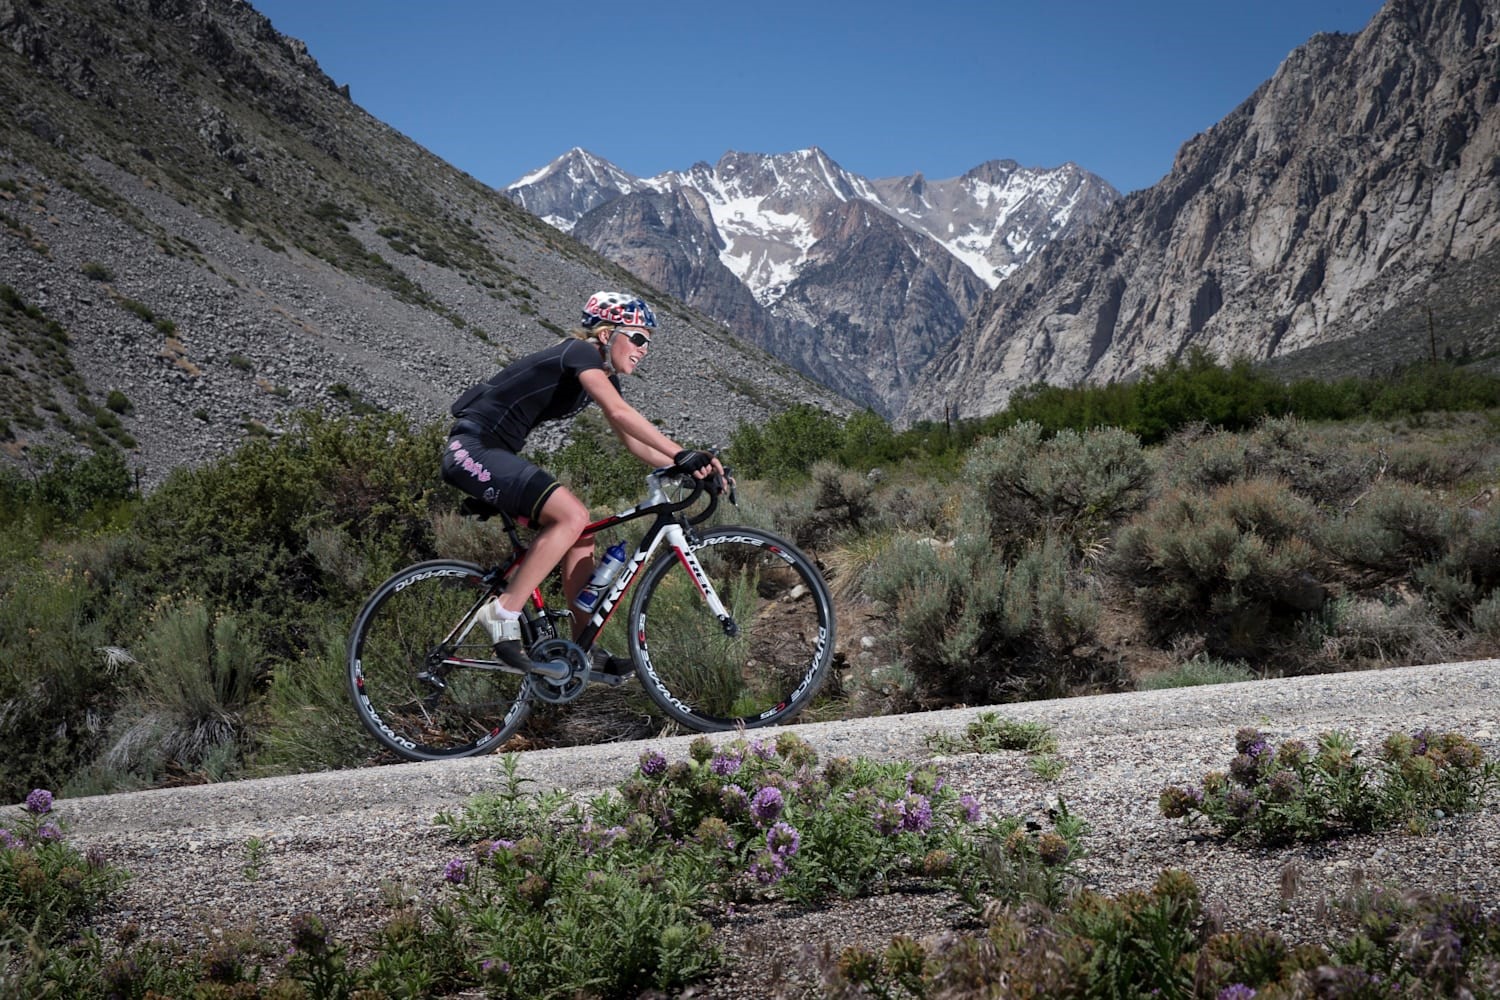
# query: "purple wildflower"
49, 832
39, 801
888, 817
916, 814
767, 868
783, 840
734, 801
490, 967
767, 804
763, 750
1236, 991
970, 806
652, 763
725, 765
9, 841
455, 871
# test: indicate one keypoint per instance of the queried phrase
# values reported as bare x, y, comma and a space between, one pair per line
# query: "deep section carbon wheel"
423, 674
759, 666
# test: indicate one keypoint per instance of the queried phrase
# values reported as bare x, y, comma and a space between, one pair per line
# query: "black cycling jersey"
539, 387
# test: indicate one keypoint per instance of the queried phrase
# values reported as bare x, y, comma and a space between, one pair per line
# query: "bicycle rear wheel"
760, 668
411, 694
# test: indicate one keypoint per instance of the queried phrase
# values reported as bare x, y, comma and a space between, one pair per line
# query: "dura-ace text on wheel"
759, 666
422, 673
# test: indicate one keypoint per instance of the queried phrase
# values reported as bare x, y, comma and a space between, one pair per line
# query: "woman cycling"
493, 419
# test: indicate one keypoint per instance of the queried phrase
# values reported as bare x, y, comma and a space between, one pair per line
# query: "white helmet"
617, 309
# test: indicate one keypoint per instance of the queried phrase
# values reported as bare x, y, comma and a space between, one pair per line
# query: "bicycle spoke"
410, 693
761, 670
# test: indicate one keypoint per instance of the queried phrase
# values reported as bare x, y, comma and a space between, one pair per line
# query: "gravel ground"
344, 843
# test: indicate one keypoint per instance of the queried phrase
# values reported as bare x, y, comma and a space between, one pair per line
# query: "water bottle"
604, 574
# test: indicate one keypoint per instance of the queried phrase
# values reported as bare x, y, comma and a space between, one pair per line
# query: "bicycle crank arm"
552, 670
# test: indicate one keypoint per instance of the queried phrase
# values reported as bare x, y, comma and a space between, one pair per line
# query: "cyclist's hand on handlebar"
702, 465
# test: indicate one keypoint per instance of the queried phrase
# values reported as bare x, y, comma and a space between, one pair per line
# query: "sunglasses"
636, 337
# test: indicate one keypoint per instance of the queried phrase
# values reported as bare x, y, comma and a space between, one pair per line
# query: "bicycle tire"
711, 681
395, 649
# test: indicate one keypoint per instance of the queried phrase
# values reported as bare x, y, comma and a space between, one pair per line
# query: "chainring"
560, 692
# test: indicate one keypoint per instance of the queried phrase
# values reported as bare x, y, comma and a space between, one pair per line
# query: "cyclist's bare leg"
563, 518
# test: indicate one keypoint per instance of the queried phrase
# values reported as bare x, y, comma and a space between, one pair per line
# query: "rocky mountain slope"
200, 232
858, 283
1354, 198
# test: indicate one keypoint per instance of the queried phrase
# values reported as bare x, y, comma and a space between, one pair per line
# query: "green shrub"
96, 271
1235, 563
1274, 795
1395, 528
1383, 629
741, 821
187, 711
787, 445
47, 887
1074, 485
977, 627
52, 680
118, 402
1200, 670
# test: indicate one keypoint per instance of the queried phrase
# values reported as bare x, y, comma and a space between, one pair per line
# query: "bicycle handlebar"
699, 487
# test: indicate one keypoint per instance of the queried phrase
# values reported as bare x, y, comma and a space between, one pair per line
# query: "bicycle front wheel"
422, 673
758, 667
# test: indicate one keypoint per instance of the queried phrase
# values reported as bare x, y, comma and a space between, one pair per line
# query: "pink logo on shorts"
473, 468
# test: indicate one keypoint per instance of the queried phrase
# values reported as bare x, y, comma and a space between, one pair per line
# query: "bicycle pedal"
432, 679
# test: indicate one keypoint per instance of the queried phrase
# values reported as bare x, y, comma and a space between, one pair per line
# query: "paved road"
1464, 697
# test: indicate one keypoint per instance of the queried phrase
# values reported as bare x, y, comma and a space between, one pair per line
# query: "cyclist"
493, 419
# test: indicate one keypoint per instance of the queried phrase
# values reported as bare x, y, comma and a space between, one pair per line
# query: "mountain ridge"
779, 226
1323, 208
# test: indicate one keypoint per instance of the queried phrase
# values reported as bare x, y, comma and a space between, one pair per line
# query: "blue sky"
886, 89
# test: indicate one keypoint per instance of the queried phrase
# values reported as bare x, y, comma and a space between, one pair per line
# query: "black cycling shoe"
601, 662
512, 654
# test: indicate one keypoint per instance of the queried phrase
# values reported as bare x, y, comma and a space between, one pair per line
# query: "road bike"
728, 628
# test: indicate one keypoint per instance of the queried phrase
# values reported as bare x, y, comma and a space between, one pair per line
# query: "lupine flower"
652, 763
1283, 786
888, 817
309, 934
783, 840
534, 889
937, 863
1239, 802
970, 806
767, 868
1177, 802
701, 749
1292, 753
39, 801
455, 871
734, 801
1053, 849
1247, 737
714, 832
767, 804
916, 814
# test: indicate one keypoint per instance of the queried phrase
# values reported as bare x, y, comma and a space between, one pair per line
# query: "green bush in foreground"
742, 822
1163, 943
1276, 795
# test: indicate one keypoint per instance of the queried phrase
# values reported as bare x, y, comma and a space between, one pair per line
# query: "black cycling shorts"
495, 475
